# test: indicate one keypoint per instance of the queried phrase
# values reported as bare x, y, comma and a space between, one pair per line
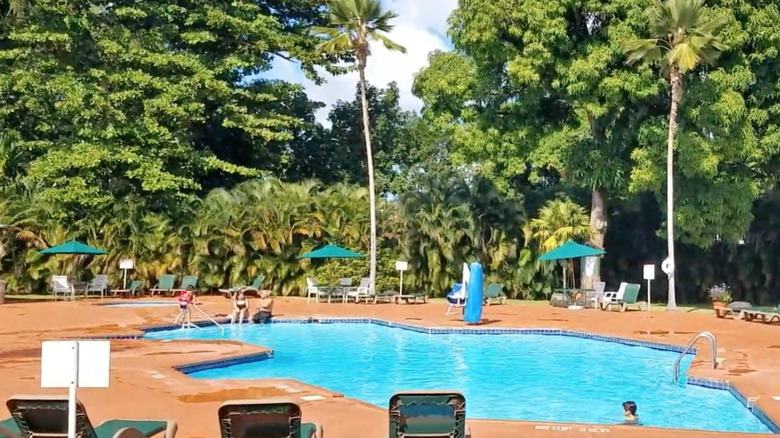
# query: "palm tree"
559, 220
683, 37
352, 24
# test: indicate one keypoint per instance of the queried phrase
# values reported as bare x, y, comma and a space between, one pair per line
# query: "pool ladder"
713, 350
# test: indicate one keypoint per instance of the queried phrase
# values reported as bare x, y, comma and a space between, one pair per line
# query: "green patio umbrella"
571, 250
73, 247
331, 252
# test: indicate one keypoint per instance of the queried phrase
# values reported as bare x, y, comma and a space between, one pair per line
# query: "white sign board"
401, 266
126, 264
649, 272
59, 363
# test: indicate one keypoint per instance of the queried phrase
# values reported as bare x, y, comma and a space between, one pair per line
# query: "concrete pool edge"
236, 360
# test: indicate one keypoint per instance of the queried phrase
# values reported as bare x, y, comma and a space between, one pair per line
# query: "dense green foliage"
150, 130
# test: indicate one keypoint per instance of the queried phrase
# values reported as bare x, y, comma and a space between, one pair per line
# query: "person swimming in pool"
240, 308
629, 411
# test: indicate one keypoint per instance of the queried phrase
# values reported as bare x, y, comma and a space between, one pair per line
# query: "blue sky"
421, 27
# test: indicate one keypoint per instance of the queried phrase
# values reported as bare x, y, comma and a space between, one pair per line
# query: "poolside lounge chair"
610, 296
362, 291
412, 297
164, 284
596, 296
98, 284
434, 414
313, 289
60, 285
630, 294
456, 297
188, 281
253, 288
494, 292
264, 418
48, 416
765, 314
135, 286
738, 307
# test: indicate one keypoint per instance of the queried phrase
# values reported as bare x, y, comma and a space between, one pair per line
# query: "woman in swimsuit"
240, 308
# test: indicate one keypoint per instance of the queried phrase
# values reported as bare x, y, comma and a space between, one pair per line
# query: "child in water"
629, 411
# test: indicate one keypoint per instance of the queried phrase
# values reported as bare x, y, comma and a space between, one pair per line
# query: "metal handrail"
209, 317
714, 353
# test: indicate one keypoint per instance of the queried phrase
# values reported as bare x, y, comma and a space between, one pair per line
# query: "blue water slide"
473, 311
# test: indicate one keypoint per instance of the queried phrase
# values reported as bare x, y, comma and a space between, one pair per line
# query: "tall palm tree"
683, 37
352, 25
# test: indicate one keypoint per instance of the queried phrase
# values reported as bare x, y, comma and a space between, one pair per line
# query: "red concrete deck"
144, 384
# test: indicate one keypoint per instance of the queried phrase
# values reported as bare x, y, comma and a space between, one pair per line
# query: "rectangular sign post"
74, 364
401, 266
125, 265
649, 274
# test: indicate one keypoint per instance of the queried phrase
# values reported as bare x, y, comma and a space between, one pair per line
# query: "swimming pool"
141, 304
503, 376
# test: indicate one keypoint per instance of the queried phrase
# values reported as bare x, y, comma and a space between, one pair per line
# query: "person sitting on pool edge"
240, 308
629, 411
265, 308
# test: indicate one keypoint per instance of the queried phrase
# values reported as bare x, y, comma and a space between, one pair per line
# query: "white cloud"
421, 27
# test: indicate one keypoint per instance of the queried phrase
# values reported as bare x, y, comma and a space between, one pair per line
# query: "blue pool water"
508, 376
142, 304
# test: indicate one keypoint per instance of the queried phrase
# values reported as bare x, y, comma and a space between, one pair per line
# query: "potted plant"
720, 294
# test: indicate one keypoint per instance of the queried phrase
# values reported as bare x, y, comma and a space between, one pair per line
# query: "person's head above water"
629, 409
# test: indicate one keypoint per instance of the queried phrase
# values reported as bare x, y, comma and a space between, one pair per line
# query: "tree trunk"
677, 90
598, 227
370, 165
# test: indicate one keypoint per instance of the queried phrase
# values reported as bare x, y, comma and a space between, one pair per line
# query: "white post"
401, 286
72, 389
124, 281
648, 295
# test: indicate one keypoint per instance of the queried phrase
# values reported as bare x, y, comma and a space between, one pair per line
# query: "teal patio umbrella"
73, 247
571, 250
331, 252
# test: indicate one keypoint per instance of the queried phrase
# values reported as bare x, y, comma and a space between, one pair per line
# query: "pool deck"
144, 383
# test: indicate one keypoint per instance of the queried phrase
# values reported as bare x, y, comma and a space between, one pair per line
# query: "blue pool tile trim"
221, 363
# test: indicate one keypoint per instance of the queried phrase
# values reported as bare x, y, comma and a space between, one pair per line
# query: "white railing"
209, 317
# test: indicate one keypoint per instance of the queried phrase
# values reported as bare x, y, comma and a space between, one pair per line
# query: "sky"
421, 27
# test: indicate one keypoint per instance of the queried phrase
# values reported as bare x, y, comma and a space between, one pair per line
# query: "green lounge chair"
48, 416
430, 414
387, 296
765, 314
164, 284
494, 292
135, 286
253, 288
412, 297
630, 295
264, 418
188, 281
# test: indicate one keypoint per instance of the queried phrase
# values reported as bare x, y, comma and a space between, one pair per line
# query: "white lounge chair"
596, 296
60, 285
98, 284
312, 289
458, 299
362, 292
613, 297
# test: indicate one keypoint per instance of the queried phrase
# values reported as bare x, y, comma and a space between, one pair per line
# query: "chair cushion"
148, 428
